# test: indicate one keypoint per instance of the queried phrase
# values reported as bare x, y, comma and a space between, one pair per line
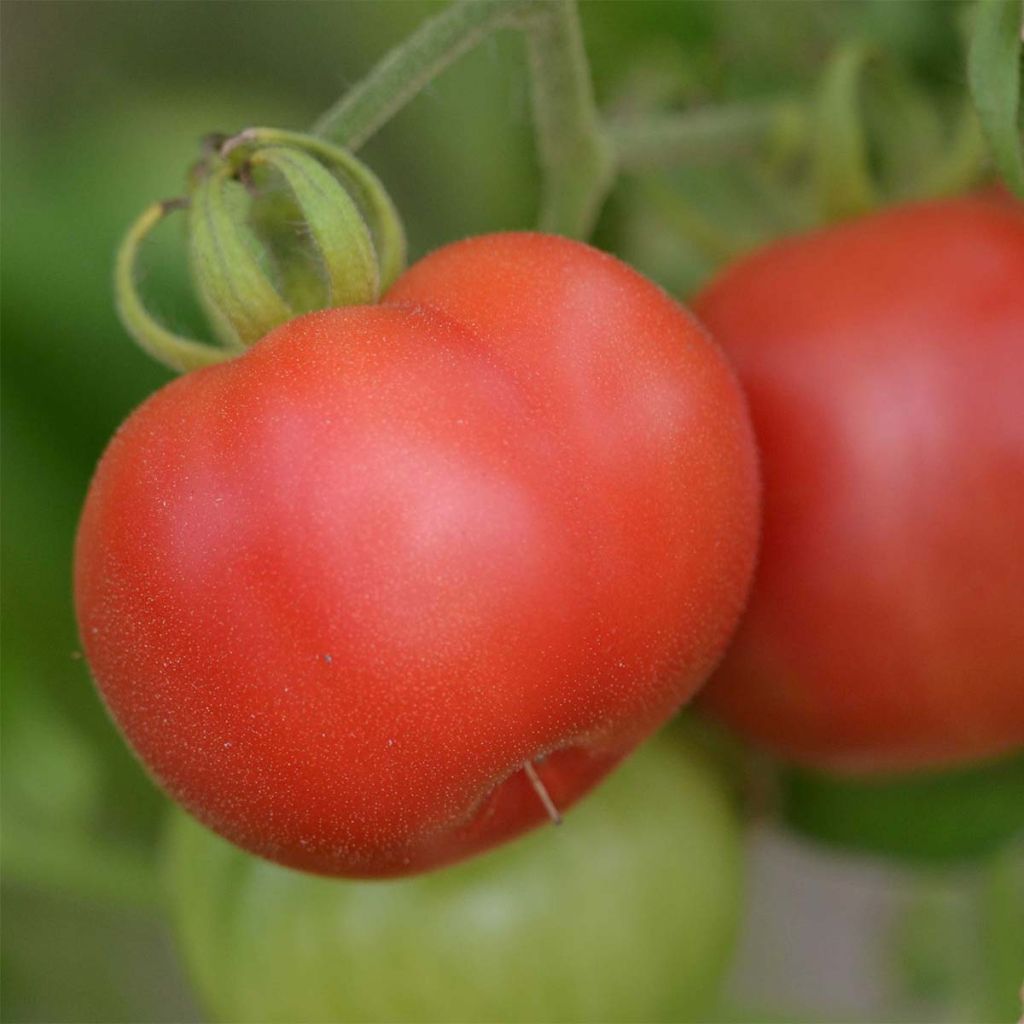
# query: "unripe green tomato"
626, 912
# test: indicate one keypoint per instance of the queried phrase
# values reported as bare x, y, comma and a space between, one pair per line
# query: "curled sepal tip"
179, 353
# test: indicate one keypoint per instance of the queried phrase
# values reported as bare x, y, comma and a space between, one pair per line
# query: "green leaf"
626, 911
940, 817
993, 71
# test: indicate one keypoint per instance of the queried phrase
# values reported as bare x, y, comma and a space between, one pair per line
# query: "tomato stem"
960, 165
578, 153
843, 179
663, 140
575, 156
406, 70
994, 75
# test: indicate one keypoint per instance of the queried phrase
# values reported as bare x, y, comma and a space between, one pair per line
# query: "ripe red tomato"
341, 591
884, 364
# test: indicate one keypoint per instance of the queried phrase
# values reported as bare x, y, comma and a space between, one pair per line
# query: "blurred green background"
103, 108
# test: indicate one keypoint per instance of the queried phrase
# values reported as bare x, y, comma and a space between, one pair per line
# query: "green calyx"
279, 224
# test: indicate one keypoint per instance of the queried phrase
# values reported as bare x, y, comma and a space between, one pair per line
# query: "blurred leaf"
1000, 907
842, 172
67, 960
681, 227
86, 867
931, 948
993, 70
626, 912
882, 138
941, 817
51, 770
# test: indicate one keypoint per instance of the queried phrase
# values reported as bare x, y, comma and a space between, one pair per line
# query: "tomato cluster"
404, 578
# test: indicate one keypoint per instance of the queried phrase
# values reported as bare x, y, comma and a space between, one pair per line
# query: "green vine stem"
661, 140
994, 75
960, 165
574, 154
578, 154
578, 162
404, 72
843, 180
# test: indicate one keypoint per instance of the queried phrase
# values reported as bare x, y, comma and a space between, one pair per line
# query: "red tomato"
339, 592
884, 364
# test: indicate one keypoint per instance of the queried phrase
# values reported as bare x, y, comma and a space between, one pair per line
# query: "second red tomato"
884, 363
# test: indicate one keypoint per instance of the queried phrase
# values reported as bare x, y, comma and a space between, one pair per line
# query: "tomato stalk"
407, 69
574, 154
252, 274
577, 160
660, 140
993, 71
579, 152
843, 180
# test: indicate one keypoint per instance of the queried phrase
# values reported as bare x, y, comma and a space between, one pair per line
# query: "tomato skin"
336, 592
884, 364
